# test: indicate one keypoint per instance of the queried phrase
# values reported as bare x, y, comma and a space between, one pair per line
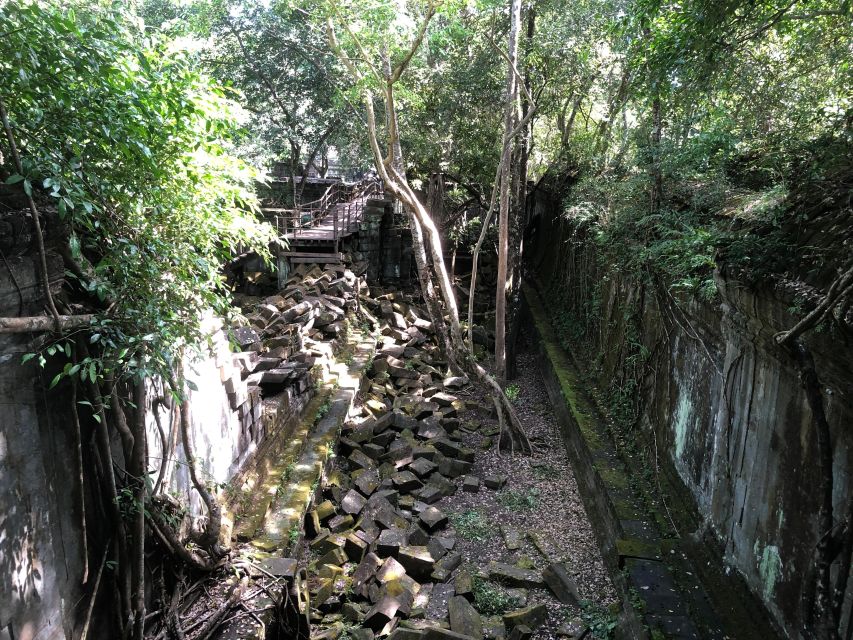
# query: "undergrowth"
471, 525
599, 619
519, 500
491, 599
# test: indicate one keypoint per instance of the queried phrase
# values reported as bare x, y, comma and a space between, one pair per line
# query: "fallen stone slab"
521, 632
406, 481
421, 467
403, 633
561, 583
355, 547
280, 567
432, 518
367, 481
455, 382
325, 542
417, 536
341, 523
430, 494
471, 484
495, 482
464, 584
425, 451
360, 460
364, 572
531, 617
574, 629
513, 576
447, 447
335, 556
442, 483
417, 560
382, 617
512, 538
431, 429
445, 567
390, 570
436, 549
437, 633
390, 541
353, 502
464, 618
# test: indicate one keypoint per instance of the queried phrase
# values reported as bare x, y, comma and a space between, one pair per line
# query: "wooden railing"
306, 216
347, 214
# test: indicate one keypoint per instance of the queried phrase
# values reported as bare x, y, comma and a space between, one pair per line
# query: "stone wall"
41, 560
717, 402
42, 591
385, 247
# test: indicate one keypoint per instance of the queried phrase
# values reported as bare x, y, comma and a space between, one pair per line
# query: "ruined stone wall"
41, 560
384, 245
721, 413
42, 591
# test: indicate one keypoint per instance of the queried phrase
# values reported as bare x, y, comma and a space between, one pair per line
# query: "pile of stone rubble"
272, 366
380, 548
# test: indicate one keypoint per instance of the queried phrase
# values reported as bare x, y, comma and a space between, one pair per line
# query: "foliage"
491, 599
323, 409
472, 525
297, 104
518, 500
600, 620
513, 392
128, 142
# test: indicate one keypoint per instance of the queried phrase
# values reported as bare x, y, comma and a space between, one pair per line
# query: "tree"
115, 131
375, 60
510, 99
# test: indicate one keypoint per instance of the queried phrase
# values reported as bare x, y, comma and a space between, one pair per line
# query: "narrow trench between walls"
387, 510
673, 582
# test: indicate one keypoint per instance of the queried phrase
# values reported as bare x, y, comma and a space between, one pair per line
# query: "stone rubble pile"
271, 369
380, 548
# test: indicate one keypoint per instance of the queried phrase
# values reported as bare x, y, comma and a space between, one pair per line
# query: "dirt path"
540, 503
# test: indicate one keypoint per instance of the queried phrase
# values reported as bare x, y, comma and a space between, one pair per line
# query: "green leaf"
14, 178
27, 357
55, 380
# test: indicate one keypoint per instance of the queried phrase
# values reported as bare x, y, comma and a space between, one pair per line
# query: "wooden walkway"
341, 221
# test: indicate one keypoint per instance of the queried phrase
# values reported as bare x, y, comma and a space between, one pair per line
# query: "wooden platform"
320, 258
328, 230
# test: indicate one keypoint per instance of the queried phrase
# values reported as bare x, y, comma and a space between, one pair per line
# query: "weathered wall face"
42, 593
722, 405
40, 554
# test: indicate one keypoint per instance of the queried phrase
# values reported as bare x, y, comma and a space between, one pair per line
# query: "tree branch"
13, 146
400, 68
36, 324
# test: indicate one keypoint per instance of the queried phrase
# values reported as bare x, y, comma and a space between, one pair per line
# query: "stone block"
389, 542
432, 518
471, 484
513, 576
417, 560
531, 617
464, 618
558, 579
353, 502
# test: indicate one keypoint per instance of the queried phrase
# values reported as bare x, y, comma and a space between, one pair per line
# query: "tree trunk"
36, 324
657, 177
510, 97
138, 468
397, 184
519, 213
